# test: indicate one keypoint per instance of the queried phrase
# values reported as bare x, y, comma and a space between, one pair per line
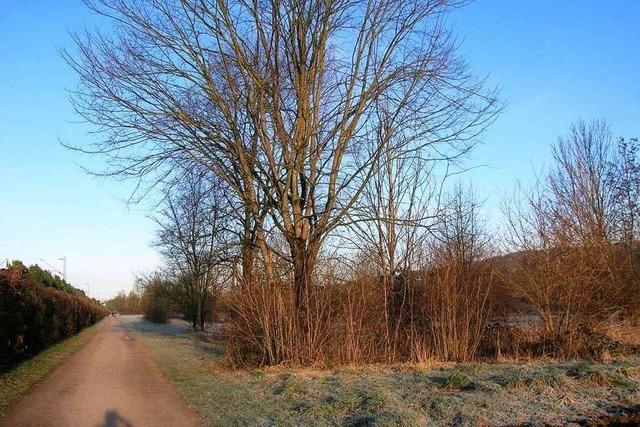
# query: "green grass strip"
17, 382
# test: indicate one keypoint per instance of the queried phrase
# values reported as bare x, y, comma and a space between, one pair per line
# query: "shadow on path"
114, 419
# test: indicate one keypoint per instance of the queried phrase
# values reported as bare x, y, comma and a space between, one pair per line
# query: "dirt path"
109, 382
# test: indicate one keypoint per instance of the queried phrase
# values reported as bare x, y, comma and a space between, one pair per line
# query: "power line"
63, 274
14, 256
64, 267
4, 254
51, 267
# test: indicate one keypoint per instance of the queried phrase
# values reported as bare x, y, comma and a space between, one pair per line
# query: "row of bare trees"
303, 148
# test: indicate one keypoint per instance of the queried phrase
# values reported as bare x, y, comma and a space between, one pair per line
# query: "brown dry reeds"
456, 304
441, 315
269, 330
444, 313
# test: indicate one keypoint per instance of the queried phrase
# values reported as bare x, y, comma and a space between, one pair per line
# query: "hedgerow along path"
110, 381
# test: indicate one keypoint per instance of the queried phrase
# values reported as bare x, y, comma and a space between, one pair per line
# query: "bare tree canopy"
280, 99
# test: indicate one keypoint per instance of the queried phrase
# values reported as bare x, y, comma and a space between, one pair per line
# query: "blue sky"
554, 61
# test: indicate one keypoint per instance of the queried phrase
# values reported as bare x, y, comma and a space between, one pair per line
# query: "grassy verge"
17, 382
489, 394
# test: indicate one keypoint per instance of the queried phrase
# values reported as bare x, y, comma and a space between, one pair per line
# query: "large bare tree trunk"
304, 260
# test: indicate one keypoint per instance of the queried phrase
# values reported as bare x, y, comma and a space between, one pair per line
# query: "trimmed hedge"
33, 316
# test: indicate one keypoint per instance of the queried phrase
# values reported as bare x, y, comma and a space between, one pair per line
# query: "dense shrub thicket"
34, 316
155, 309
124, 303
568, 277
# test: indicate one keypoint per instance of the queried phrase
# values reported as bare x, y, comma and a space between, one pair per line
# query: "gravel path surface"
110, 382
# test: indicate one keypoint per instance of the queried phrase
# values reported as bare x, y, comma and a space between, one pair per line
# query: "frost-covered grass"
439, 394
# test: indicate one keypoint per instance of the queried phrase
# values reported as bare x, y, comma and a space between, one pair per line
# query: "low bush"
546, 377
587, 372
458, 379
34, 316
513, 379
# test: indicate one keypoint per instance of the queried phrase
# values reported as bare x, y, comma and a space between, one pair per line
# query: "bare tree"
567, 230
624, 178
193, 239
582, 201
278, 98
389, 224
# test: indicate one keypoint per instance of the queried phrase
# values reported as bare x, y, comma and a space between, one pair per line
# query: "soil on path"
109, 382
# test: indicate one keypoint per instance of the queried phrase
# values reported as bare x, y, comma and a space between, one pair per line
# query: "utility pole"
64, 267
